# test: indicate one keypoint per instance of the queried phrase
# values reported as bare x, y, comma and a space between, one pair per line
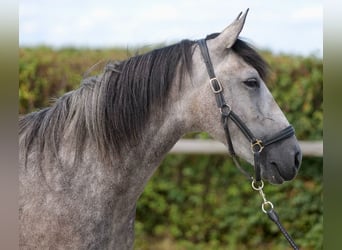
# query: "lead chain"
259, 187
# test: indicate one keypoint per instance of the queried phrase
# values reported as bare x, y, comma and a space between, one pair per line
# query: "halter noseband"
257, 145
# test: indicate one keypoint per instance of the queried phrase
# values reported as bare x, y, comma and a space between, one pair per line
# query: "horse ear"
228, 36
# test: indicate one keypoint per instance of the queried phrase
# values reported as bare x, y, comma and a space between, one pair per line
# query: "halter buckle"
257, 146
215, 85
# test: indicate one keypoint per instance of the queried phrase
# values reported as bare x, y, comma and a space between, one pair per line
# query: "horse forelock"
111, 109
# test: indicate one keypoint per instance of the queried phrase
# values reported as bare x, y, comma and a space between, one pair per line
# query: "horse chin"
276, 179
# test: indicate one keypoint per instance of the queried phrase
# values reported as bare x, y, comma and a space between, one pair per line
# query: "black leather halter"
257, 145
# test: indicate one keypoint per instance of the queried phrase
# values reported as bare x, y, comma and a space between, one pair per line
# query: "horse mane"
111, 109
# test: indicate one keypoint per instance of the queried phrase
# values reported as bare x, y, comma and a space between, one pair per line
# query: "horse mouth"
274, 179
277, 176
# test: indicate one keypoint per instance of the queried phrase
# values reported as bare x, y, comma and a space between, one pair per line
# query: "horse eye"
252, 83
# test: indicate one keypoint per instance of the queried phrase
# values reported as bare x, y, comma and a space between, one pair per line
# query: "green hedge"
203, 202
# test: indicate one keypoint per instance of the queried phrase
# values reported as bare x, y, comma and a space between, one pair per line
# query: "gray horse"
84, 161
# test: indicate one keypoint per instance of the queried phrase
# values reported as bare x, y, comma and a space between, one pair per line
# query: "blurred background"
193, 201
291, 27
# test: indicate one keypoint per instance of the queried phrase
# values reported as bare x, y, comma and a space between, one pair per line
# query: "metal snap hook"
257, 185
268, 204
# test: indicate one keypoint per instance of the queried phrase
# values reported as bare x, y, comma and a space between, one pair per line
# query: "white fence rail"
198, 146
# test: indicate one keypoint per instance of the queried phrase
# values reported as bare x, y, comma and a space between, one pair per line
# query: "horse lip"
278, 180
275, 177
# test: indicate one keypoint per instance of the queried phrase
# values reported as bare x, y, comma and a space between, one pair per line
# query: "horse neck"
165, 127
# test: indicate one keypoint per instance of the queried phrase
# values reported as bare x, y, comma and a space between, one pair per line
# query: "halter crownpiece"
257, 145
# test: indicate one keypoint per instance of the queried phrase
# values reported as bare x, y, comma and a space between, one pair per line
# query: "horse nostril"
298, 159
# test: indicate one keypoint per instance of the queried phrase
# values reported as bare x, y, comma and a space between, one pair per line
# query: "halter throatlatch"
257, 145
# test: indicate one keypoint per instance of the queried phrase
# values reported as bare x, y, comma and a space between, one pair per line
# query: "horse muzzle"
280, 162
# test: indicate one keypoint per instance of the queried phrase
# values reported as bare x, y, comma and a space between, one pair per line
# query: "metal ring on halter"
257, 146
225, 110
269, 204
257, 188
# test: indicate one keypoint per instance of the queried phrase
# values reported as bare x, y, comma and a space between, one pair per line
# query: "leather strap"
282, 135
274, 217
206, 57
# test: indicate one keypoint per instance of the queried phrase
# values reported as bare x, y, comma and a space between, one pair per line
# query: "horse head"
241, 73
